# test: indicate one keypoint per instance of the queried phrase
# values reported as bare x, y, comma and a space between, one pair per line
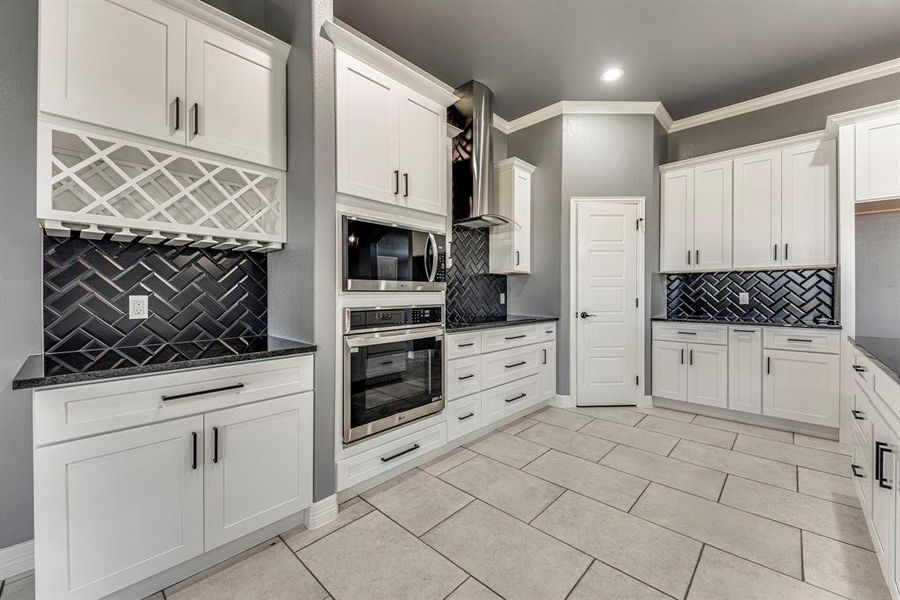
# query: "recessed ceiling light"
612, 74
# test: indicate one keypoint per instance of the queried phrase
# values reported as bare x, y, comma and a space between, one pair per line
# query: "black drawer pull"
396, 182
513, 399
412, 448
855, 474
194, 451
196, 109
800, 340
517, 337
466, 345
768, 365
682, 356
687, 333
177, 113
545, 356
236, 386
856, 415
215, 444
549, 331
859, 369
468, 416
881, 448
518, 364
464, 377
691, 357
743, 331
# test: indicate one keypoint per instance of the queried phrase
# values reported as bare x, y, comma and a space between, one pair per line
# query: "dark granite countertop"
756, 323
884, 351
508, 321
61, 368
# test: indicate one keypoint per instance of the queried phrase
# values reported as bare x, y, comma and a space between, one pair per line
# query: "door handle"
682, 356
466, 345
215, 445
514, 365
177, 113
226, 388
696, 257
464, 377
800, 340
585, 315
516, 337
396, 182
468, 416
768, 365
776, 251
690, 357
406, 185
196, 109
785, 252
545, 356
194, 450
687, 333
412, 448
514, 398
881, 448
689, 256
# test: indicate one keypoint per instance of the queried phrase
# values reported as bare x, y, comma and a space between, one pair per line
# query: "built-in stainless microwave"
387, 257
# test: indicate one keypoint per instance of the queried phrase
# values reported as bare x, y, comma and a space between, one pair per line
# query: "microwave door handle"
372, 339
432, 242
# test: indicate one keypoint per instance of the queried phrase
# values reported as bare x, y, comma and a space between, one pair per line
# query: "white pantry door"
607, 326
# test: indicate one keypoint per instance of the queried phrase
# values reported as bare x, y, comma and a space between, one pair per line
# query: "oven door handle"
431, 242
372, 339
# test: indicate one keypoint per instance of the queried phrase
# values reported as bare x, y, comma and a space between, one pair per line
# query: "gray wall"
878, 275
20, 261
791, 118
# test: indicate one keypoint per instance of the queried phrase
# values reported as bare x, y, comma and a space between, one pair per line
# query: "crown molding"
828, 84
803, 138
500, 124
584, 107
861, 114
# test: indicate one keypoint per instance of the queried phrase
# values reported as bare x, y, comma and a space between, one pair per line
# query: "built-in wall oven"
393, 367
381, 257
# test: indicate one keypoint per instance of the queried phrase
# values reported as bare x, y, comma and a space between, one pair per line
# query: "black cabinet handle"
518, 364
682, 356
881, 448
387, 362
468, 416
768, 365
466, 345
856, 415
177, 113
855, 474
691, 357
412, 448
800, 340
696, 257
194, 450
687, 333
236, 386
517, 337
859, 369
743, 331
517, 258
545, 356
785, 252
215, 444
406, 185
464, 377
689, 257
776, 251
396, 182
513, 399
196, 109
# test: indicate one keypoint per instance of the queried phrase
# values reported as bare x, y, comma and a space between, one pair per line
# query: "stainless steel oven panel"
378, 285
370, 339
440, 307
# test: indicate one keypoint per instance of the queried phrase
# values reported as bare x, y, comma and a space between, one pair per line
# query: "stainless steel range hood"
474, 204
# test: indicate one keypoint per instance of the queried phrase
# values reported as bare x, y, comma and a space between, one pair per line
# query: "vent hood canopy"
474, 205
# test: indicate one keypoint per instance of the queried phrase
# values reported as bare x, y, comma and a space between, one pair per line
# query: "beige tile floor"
580, 504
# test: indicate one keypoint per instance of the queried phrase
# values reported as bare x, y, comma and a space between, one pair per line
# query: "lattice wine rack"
98, 185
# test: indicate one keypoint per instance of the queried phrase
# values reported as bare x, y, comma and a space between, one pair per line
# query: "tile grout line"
694, 572
802, 568
330, 532
722, 490
442, 521
461, 583
580, 577
328, 593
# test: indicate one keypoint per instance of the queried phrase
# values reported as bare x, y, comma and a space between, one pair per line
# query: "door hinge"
637, 224
636, 300
637, 380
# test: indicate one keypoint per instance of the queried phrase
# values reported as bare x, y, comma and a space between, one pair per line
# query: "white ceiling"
693, 55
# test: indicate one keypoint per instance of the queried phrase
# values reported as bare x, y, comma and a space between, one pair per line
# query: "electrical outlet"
743, 298
138, 307
502, 298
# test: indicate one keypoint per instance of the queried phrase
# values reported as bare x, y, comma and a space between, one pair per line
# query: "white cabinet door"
548, 370
809, 205
878, 158
707, 375
712, 216
235, 97
801, 386
114, 63
884, 450
670, 370
510, 249
258, 465
745, 369
117, 508
522, 213
677, 221
367, 125
422, 170
757, 210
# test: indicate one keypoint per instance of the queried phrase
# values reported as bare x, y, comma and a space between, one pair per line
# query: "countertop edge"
499, 324
878, 362
663, 318
135, 371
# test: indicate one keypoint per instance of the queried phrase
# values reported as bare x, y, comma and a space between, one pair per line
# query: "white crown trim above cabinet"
391, 140
130, 481
510, 247
768, 206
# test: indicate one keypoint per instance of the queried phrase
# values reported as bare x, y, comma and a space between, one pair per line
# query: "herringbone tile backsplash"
473, 294
776, 296
195, 294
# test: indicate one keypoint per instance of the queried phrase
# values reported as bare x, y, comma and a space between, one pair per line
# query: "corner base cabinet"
184, 476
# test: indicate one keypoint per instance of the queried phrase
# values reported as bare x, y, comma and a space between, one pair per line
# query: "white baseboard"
16, 559
645, 402
562, 401
322, 512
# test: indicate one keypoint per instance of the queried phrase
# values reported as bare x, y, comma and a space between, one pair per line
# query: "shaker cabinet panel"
669, 372
745, 369
707, 375
878, 158
548, 370
510, 247
809, 205
422, 153
801, 386
712, 216
757, 210
677, 221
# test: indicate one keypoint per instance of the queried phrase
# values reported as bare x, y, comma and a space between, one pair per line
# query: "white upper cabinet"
809, 205
114, 63
878, 158
677, 221
757, 210
158, 69
391, 140
235, 97
510, 248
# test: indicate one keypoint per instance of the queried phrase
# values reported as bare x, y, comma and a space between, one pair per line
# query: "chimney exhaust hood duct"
474, 205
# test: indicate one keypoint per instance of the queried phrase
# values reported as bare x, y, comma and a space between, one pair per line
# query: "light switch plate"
502, 298
743, 298
138, 307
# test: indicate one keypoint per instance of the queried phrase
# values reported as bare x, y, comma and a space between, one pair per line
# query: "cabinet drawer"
380, 459
690, 332
861, 413
509, 399
83, 410
548, 331
862, 369
463, 377
804, 340
463, 344
502, 367
463, 416
509, 337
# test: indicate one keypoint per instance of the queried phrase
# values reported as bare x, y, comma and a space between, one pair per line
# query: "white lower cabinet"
745, 369
510, 398
548, 369
707, 375
883, 514
801, 386
117, 507
669, 374
114, 509
463, 416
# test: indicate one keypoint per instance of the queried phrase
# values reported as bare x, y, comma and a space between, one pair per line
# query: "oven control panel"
359, 320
